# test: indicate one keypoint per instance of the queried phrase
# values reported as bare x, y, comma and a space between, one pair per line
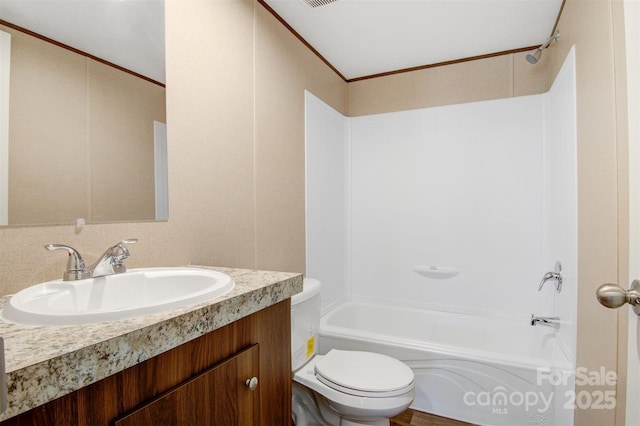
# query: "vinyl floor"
417, 418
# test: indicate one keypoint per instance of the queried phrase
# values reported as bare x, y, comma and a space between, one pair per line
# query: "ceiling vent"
318, 3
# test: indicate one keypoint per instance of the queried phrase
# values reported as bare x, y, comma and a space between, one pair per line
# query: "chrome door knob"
613, 296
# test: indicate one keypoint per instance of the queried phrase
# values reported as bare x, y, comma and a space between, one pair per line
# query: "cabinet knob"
252, 383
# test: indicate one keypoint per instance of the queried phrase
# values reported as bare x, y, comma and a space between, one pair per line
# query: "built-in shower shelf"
436, 272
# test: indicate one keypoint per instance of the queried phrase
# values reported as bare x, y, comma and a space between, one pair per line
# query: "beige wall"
81, 137
45, 132
285, 68
492, 78
122, 111
594, 28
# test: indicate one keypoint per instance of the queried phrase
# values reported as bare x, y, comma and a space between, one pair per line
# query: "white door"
632, 38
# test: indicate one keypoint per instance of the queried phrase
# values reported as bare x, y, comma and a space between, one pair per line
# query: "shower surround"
484, 190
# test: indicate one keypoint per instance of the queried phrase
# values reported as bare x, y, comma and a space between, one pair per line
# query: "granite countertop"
46, 362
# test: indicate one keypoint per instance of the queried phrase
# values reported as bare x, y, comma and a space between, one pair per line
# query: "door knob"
613, 296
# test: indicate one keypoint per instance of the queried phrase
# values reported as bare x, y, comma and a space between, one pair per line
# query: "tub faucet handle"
556, 275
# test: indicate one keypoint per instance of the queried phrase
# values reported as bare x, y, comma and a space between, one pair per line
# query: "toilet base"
311, 409
329, 411
304, 408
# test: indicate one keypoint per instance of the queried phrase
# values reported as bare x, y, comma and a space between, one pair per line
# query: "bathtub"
479, 369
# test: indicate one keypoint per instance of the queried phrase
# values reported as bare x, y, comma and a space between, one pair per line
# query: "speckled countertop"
46, 362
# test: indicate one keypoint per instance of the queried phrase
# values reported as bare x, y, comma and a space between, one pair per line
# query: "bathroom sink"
115, 297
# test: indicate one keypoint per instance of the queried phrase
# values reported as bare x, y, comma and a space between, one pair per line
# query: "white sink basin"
115, 297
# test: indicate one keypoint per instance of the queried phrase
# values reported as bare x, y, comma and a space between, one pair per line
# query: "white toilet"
341, 388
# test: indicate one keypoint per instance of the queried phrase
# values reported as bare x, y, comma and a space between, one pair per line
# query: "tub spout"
553, 322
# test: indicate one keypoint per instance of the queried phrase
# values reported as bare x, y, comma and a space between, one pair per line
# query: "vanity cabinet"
203, 382
221, 395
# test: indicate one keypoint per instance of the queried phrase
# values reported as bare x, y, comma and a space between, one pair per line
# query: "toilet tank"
305, 322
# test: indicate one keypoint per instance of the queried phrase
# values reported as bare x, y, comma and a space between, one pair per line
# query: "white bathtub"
483, 370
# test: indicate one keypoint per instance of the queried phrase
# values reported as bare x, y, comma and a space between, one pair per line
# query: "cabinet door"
217, 396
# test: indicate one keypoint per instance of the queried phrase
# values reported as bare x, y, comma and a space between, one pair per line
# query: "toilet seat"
364, 374
343, 387
349, 405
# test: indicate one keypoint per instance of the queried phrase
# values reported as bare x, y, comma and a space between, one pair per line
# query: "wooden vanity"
238, 373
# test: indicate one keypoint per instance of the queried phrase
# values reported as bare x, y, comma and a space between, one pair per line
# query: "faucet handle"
120, 253
76, 269
556, 275
124, 252
129, 241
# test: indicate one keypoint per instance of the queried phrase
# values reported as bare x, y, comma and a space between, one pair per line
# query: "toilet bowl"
341, 387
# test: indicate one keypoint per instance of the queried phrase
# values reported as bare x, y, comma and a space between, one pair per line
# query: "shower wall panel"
327, 189
456, 187
485, 189
561, 201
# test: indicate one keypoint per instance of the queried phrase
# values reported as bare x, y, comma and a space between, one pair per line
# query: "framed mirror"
83, 98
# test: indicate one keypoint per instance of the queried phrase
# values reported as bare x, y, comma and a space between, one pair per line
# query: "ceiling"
128, 33
366, 37
359, 38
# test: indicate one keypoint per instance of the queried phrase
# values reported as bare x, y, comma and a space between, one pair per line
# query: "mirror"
85, 111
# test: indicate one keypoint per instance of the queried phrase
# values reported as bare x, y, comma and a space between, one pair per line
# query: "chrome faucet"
76, 269
553, 322
556, 276
111, 261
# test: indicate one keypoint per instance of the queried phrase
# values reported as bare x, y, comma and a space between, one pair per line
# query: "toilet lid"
364, 373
